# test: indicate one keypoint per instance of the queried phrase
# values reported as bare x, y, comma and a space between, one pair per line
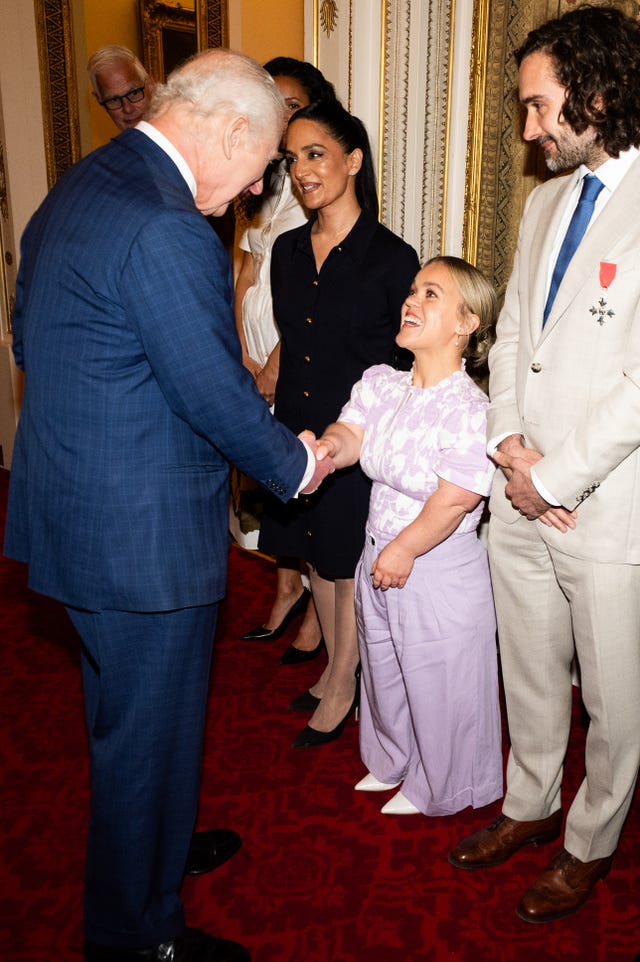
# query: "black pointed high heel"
296, 656
272, 634
310, 737
304, 702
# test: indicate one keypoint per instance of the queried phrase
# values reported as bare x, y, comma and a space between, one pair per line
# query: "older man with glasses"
120, 84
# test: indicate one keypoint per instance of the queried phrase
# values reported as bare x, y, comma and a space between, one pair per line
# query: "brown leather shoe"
497, 842
562, 888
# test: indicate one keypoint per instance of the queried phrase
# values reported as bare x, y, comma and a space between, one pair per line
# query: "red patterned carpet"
322, 875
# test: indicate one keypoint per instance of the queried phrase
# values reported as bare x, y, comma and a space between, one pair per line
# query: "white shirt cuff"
311, 466
542, 491
493, 443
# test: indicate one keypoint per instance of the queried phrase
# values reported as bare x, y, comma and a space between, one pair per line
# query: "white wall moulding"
389, 61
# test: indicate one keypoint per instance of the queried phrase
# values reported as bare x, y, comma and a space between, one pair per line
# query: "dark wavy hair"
317, 87
351, 134
596, 57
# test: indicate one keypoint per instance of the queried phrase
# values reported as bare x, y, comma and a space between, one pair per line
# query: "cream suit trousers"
545, 600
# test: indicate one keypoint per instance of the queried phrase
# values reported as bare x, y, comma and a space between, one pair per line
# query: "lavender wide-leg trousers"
430, 714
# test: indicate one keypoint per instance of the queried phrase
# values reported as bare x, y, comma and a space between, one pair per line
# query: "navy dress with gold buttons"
334, 324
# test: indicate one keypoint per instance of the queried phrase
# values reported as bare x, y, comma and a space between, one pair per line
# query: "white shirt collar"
614, 169
154, 134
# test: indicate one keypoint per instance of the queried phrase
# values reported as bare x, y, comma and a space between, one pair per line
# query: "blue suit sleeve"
178, 293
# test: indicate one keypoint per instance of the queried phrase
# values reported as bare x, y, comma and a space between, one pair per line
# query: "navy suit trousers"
145, 683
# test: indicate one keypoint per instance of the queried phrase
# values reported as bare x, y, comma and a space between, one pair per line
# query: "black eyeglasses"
134, 96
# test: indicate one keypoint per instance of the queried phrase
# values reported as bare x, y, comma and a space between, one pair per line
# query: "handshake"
324, 461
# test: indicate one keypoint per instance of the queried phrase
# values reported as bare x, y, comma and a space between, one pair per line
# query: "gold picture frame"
168, 36
58, 73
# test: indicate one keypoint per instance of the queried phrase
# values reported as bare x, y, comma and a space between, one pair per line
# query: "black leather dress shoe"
272, 634
210, 849
296, 656
192, 946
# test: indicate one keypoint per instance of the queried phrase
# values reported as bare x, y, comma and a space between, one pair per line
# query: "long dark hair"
308, 76
596, 57
351, 134
317, 87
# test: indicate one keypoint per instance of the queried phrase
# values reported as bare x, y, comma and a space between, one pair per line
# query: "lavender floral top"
413, 436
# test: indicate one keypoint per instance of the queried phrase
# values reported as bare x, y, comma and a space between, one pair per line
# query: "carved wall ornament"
329, 16
4, 205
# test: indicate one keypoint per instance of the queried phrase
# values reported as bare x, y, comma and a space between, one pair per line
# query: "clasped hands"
393, 565
324, 461
516, 462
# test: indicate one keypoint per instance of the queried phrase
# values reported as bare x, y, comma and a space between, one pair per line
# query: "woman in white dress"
278, 209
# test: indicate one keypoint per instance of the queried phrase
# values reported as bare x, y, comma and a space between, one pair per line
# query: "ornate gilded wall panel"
212, 24
58, 85
414, 148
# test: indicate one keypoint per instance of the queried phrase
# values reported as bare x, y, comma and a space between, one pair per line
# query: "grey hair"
114, 53
223, 82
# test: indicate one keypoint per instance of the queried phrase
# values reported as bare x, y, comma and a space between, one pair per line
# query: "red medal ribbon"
607, 273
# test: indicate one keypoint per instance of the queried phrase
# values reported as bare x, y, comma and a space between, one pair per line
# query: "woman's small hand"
253, 367
392, 567
266, 381
326, 448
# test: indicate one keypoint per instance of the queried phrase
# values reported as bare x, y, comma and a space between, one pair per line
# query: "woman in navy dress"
338, 283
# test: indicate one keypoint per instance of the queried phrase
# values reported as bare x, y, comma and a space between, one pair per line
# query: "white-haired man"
120, 84
135, 400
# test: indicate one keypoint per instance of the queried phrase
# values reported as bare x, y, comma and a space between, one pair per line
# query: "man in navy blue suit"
135, 401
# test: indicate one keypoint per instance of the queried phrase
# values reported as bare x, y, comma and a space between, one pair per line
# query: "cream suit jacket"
573, 390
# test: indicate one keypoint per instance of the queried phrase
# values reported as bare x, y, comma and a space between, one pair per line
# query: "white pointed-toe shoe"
399, 805
371, 784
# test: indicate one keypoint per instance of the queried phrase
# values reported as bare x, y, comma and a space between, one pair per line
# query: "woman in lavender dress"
430, 717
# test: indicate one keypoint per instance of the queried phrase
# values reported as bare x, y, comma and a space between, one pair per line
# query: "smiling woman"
430, 718
347, 276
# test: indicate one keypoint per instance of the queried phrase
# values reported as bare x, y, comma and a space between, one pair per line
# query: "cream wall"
266, 30
26, 174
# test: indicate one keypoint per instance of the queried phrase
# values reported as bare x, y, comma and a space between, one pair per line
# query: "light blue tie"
591, 187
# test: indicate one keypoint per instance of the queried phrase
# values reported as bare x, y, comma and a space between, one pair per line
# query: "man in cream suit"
564, 426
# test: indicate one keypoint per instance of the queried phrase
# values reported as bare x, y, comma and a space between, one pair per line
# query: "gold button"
305, 394
307, 358
308, 534
308, 320
315, 283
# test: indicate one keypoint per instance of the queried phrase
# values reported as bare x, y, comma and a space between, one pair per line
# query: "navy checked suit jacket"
135, 394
